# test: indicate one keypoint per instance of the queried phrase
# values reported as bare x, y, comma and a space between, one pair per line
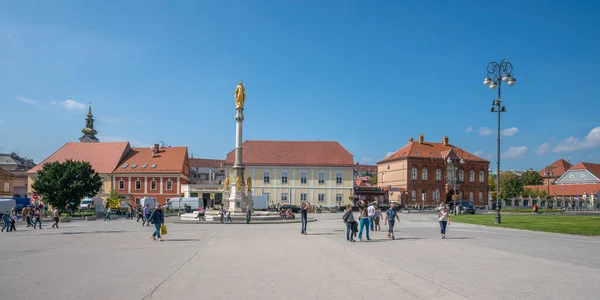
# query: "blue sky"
369, 74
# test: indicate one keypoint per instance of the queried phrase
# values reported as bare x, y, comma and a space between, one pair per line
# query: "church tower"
89, 133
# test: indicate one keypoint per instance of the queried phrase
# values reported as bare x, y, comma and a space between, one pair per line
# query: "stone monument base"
215, 216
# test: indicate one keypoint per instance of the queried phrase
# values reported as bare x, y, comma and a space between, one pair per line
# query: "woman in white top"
444, 220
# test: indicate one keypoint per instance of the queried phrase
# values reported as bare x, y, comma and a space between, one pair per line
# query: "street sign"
35, 197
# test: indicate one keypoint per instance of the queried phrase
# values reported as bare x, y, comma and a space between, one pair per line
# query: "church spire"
89, 133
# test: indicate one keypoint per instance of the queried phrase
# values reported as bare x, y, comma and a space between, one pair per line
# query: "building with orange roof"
555, 170
103, 156
291, 172
156, 172
581, 173
419, 173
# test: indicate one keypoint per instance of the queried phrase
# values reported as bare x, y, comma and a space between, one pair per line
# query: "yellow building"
291, 172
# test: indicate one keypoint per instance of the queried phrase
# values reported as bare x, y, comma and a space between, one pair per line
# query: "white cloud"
510, 131
53, 102
26, 100
515, 152
73, 104
543, 148
365, 160
483, 155
481, 130
572, 143
469, 129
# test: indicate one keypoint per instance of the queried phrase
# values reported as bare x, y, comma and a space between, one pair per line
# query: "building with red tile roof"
291, 172
419, 173
555, 170
104, 157
365, 170
206, 171
156, 172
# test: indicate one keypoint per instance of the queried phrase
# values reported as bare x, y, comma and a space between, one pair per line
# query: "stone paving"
118, 260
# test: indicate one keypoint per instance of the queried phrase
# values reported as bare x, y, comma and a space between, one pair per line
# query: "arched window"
424, 174
339, 179
461, 175
480, 196
153, 184
481, 177
266, 176
169, 184
414, 174
321, 177
138, 184
471, 176
413, 195
471, 197
284, 177
121, 184
438, 175
303, 177
382, 177
437, 195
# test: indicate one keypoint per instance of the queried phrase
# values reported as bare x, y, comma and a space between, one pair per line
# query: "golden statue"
240, 95
249, 184
227, 183
238, 183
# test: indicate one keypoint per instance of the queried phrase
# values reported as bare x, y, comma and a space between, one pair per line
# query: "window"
471, 176
144, 166
284, 197
121, 184
414, 173
471, 197
424, 174
481, 179
438, 175
423, 195
138, 184
303, 197
321, 177
134, 166
125, 166
303, 177
153, 184
267, 177
153, 166
480, 196
461, 175
284, 177
169, 185
321, 197
437, 195
137, 201
413, 195
338, 197
338, 178
6, 186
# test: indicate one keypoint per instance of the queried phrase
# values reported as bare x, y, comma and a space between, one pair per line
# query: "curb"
243, 222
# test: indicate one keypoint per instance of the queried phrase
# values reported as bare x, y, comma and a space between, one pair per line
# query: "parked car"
295, 209
467, 208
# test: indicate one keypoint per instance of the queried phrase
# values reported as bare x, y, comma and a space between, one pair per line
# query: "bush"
529, 210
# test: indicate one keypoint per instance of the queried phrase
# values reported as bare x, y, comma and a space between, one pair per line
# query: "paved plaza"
118, 260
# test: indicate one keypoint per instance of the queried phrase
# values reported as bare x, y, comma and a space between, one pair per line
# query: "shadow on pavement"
92, 232
323, 233
181, 240
460, 238
397, 239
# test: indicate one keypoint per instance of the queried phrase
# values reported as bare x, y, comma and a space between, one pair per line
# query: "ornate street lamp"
454, 163
497, 73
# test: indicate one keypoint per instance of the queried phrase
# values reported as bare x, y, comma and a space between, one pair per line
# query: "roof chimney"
445, 140
410, 140
155, 149
421, 138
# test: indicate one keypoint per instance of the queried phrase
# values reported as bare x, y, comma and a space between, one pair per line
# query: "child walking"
390, 214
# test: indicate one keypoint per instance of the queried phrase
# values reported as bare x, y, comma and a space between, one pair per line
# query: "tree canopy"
531, 178
70, 181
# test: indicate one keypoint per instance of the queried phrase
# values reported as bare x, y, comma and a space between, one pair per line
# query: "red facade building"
156, 172
427, 173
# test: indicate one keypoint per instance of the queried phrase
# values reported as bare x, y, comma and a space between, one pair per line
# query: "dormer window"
153, 166
144, 166
134, 166
125, 166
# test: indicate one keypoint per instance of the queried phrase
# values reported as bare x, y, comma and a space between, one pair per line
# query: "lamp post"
496, 74
450, 161
549, 175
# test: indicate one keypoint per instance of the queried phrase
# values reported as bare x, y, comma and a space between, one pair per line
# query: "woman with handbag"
158, 219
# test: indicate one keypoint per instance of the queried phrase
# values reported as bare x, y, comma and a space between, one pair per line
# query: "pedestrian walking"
140, 215
304, 214
377, 218
29, 217
444, 220
222, 213
390, 218
158, 219
363, 218
248, 214
37, 218
147, 214
13, 220
6, 221
107, 215
55, 217
371, 214
348, 218
228, 217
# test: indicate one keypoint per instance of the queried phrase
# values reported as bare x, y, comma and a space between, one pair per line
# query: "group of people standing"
33, 215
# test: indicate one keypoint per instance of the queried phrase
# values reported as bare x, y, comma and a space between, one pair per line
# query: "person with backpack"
390, 214
348, 218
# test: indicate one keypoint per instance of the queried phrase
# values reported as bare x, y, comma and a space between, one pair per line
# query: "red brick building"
156, 172
419, 173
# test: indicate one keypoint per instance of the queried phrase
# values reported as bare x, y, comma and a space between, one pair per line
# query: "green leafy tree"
373, 180
62, 182
510, 185
492, 183
531, 178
